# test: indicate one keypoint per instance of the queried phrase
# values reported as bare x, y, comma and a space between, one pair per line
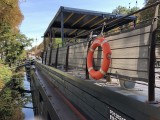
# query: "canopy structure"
71, 22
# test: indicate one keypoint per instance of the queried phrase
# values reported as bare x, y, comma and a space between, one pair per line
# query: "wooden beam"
65, 30
89, 21
68, 17
81, 32
72, 32
78, 20
83, 24
98, 23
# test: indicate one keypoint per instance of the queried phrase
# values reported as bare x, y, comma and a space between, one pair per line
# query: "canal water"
16, 99
28, 109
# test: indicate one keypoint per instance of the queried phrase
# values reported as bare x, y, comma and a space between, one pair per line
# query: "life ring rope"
104, 42
89, 69
101, 71
92, 50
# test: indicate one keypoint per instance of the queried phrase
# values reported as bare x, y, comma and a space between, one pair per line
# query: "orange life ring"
100, 41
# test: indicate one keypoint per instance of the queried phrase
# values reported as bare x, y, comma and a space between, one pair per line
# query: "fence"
130, 54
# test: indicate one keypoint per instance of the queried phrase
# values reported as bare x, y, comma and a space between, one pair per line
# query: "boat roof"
75, 21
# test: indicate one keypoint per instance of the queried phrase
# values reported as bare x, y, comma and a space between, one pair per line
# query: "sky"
39, 13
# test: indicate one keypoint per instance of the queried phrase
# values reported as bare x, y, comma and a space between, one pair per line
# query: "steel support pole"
45, 50
151, 82
51, 45
87, 73
43, 53
67, 56
56, 61
46, 57
62, 26
42, 57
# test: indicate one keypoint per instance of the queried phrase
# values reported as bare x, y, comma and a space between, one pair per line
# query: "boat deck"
141, 88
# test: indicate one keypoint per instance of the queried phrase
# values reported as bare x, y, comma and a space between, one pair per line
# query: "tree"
124, 10
121, 10
147, 2
12, 42
133, 9
15, 47
10, 13
148, 14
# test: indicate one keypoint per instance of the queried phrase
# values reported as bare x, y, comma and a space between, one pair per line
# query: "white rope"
101, 71
89, 69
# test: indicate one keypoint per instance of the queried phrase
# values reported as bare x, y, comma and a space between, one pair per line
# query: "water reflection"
28, 111
16, 101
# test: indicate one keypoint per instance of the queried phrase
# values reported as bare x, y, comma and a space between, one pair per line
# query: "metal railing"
144, 58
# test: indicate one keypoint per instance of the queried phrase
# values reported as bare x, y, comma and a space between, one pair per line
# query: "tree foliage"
124, 10
12, 42
44, 45
10, 13
148, 14
5, 75
120, 10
